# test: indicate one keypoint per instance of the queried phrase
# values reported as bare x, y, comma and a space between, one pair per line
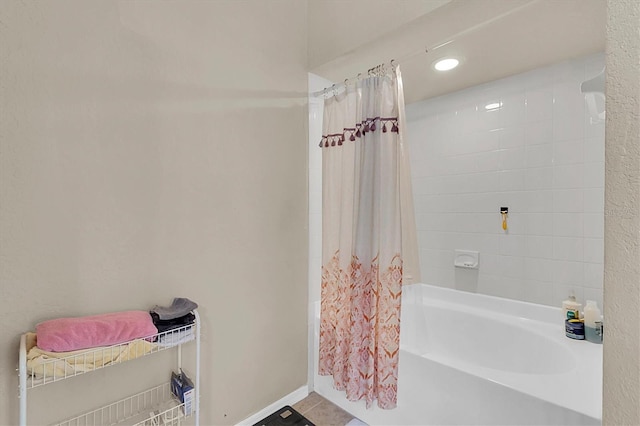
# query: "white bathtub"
470, 359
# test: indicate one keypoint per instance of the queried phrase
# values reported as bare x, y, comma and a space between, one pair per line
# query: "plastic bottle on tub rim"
592, 322
571, 308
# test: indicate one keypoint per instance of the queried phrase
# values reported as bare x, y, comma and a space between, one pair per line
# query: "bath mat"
286, 416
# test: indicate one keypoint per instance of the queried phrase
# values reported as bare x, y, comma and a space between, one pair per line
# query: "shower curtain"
369, 246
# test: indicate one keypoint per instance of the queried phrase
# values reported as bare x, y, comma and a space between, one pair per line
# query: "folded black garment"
166, 325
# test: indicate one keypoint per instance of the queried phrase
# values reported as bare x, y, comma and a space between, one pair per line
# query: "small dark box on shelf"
182, 388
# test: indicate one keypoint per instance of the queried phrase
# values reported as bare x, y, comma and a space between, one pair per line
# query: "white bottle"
570, 305
592, 322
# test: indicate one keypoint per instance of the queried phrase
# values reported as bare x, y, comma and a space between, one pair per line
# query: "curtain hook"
334, 90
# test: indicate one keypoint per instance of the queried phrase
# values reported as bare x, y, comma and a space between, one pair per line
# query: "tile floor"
321, 411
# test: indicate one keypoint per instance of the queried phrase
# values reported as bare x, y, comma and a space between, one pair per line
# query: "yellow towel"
49, 365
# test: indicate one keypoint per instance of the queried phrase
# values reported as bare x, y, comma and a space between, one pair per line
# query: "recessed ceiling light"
446, 64
493, 105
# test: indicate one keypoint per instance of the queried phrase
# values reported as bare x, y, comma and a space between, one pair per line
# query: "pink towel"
71, 334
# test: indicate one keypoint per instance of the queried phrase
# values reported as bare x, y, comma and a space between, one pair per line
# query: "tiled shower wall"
541, 155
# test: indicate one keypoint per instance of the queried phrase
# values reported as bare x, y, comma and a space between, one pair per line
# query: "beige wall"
622, 217
152, 150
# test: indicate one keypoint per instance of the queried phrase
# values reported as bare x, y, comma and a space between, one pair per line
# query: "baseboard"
295, 396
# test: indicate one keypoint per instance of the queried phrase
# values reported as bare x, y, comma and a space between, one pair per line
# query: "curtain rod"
377, 69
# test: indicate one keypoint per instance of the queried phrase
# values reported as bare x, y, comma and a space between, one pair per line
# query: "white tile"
538, 269
424, 221
463, 164
489, 263
593, 275
436, 258
486, 222
540, 155
512, 180
568, 200
439, 276
499, 286
490, 119
517, 201
594, 150
568, 272
568, 224
452, 223
489, 202
422, 185
511, 158
472, 182
539, 178
594, 200
568, 125
449, 144
539, 292
568, 152
488, 140
491, 284
539, 132
593, 175
512, 137
468, 118
568, 248
568, 176
514, 108
594, 250
594, 225
482, 182
486, 243
422, 202
512, 245
539, 223
468, 144
539, 105
487, 161
539, 246
568, 112
427, 240
463, 222
593, 129
418, 167
539, 202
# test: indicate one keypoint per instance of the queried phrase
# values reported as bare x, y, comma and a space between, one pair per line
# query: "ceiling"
493, 38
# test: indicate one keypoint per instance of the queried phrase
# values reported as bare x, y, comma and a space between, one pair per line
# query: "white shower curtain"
369, 246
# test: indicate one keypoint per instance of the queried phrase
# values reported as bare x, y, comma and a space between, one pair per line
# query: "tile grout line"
310, 408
